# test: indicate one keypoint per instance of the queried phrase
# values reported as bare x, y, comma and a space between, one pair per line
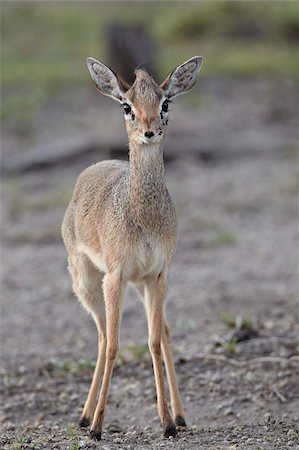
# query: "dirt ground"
233, 288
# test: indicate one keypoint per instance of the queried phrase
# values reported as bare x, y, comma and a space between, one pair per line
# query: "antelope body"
120, 227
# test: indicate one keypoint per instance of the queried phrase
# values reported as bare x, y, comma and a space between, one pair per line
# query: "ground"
232, 172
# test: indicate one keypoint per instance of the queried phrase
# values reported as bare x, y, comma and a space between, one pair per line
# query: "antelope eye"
165, 106
127, 108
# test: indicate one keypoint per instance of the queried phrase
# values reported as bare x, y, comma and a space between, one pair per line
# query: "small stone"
228, 411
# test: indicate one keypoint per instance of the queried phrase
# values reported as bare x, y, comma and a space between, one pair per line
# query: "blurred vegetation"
44, 45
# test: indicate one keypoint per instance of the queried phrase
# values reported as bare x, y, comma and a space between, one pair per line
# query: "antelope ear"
107, 82
183, 78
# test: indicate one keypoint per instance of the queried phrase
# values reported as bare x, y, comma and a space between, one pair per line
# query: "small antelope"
120, 227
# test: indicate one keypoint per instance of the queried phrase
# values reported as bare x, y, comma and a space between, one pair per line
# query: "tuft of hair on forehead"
145, 88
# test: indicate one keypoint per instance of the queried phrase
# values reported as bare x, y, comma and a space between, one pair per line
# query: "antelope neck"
147, 184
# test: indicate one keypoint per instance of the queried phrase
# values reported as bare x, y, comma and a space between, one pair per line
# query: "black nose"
149, 134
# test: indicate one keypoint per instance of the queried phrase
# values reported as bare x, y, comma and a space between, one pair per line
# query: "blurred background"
45, 44
232, 164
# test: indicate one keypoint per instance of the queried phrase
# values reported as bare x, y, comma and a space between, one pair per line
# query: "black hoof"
96, 435
84, 422
170, 430
180, 422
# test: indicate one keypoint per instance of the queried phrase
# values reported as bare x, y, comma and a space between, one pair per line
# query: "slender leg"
90, 405
154, 301
176, 402
87, 284
113, 289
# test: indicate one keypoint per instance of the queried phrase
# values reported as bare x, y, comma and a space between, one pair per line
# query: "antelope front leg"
113, 290
154, 301
91, 401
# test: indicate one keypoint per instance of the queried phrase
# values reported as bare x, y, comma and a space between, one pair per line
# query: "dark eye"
127, 108
165, 106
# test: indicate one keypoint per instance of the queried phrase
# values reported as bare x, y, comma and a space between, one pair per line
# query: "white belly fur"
146, 259
143, 260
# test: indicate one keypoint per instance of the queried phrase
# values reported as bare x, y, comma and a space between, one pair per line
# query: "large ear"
107, 82
183, 78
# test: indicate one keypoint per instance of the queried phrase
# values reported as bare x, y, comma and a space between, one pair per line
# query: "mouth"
153, 140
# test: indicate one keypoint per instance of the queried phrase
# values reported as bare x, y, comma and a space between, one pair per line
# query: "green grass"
74, 432
21, 201
44, 45
74, 446
86, 365
236, 19
62, 368
248, 206
291, 186
139, 351
291, 152
223, 238
24, 442
21, 443
82, 366
9, 380
132, 352
230, 346
235, 321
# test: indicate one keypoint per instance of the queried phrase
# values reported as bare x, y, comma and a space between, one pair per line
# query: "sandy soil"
232, 300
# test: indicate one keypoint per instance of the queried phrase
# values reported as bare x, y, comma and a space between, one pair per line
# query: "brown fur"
120, 227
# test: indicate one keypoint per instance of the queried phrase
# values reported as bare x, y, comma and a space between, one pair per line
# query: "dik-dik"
120, 227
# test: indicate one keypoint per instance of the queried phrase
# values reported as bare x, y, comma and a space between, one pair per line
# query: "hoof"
170, 430
96, 435
84, 422
180, 422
